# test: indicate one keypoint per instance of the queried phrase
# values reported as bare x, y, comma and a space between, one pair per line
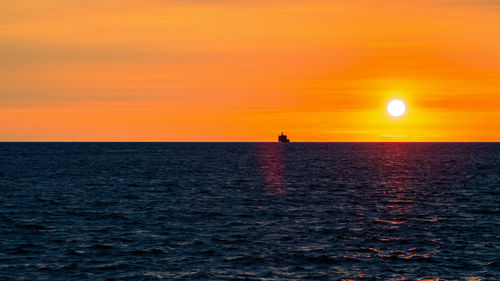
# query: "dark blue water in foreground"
249, 211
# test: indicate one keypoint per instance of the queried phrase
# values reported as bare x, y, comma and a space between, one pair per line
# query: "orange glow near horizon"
220, 70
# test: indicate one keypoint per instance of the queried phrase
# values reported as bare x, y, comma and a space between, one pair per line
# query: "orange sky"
244, 70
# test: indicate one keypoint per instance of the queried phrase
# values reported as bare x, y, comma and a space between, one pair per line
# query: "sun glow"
396, 108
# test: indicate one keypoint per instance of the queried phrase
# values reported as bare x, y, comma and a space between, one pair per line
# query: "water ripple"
243, 211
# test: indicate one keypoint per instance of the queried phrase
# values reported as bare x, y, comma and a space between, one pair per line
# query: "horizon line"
249, 142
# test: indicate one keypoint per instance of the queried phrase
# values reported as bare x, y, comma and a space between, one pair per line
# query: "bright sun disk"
396, 108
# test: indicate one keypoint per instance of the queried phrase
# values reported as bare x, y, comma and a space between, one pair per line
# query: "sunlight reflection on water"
271, 161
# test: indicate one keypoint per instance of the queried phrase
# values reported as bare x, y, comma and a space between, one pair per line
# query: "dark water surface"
249, 211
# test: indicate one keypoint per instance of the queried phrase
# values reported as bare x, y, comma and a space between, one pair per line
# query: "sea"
250, 211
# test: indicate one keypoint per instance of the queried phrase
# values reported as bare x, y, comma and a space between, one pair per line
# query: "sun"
396, 108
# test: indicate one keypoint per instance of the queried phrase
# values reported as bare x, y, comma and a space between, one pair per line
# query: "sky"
246, 70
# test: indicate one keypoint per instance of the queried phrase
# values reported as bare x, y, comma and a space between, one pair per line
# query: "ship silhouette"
283, 138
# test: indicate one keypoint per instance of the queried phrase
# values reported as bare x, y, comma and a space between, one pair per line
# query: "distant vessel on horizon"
282, 138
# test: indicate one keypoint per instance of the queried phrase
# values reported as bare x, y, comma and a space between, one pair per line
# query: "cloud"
33, 52
479, 3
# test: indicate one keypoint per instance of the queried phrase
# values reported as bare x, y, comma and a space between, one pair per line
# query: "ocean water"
249, 211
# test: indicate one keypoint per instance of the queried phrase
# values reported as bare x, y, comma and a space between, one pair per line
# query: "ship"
282, 138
